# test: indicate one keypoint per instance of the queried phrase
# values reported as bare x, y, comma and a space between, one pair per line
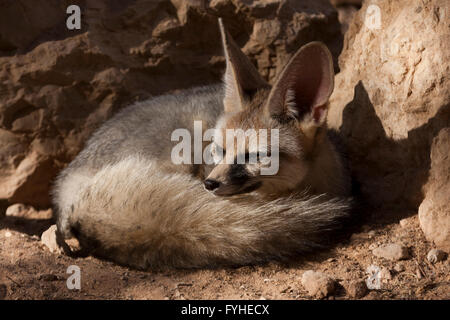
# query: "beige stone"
48, 238
20, 210
318, 284
434, 211
392, 96
391, 251
356, 289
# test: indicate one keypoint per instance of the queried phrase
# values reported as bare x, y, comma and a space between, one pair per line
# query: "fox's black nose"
211, 184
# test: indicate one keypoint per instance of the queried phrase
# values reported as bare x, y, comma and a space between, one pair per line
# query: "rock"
373, 280
436, 255
318, 284
356, 289
55, 89
16, 210
391, 97
48, 238
434, 211
19, 210
392, 251
377, 276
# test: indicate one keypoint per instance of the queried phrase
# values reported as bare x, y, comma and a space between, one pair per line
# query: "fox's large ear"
241, 77
304, 86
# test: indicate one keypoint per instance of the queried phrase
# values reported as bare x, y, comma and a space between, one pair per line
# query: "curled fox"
124, 199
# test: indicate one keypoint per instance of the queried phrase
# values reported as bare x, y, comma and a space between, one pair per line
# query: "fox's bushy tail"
136, 215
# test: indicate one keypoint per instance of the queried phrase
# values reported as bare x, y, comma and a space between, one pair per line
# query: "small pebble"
16, 210
436, 255
8, 234
22, 211
356, 289
48, 238
377, 276
391, 251
318, 284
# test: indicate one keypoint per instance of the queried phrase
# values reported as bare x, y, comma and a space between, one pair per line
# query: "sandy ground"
29, 271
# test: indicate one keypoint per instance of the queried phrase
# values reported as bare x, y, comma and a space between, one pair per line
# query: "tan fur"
124, 200
308, 159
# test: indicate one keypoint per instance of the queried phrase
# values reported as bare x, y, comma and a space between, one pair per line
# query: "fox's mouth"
231, 190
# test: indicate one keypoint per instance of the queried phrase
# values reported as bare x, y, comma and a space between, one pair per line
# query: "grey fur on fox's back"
124, 199
136, 129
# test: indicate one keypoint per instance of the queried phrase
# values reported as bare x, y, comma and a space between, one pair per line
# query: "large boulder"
58, 85
434, 211
392, 96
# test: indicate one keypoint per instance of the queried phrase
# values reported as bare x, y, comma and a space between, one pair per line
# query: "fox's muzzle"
228, 180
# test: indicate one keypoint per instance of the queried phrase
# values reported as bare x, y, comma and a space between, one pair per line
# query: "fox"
124, 200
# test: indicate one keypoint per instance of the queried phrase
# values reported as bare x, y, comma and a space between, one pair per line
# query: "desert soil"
29, 271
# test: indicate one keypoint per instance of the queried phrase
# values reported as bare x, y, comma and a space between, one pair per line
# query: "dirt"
29, 271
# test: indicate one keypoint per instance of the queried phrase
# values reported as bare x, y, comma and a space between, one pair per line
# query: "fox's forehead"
243, 120
256, 125
255, 118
